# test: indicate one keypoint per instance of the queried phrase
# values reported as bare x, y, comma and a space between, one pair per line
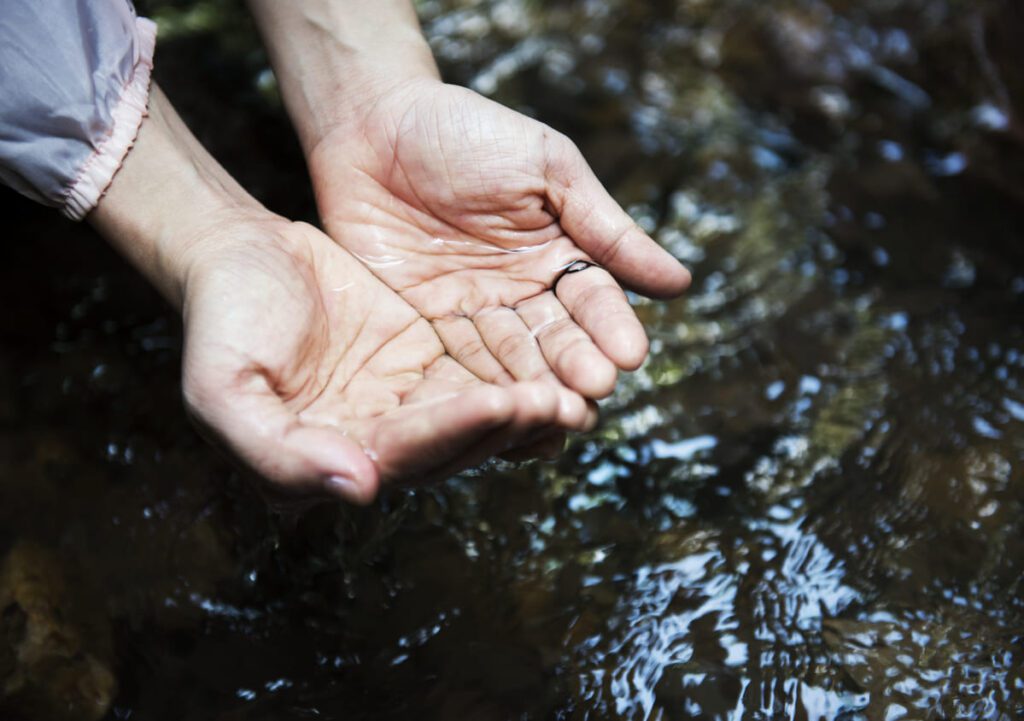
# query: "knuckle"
613, 247
470, 350
556, 330
602, 300
515, 347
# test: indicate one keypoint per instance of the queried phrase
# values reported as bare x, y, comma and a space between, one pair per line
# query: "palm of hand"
310, 368
471, 212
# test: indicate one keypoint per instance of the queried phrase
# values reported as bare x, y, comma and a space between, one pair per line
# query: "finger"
448, 378
463, 342
600, 226
567, 348
576, 413
511, 342
540, 408
257, 427
596, 302
437, 434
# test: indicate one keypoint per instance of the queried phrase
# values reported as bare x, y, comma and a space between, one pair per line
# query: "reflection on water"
807, 505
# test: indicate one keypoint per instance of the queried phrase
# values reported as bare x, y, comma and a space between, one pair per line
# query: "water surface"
807, 505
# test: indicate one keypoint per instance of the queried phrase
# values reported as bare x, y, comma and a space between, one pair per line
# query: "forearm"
333, 57
164, 199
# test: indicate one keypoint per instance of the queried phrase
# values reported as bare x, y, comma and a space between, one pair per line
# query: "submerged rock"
49, 670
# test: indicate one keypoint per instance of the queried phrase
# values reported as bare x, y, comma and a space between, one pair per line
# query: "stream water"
808, 504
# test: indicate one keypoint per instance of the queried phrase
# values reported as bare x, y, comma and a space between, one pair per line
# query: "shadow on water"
807, 505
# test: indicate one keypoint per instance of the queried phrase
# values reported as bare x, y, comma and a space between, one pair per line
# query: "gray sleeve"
74, 83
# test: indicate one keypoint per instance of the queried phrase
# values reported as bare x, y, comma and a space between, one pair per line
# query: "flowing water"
809, 503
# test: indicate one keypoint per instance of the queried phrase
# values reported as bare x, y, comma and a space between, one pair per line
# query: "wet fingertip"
341, 486
677, 282
350, 490
579, 412
571, 409
598, 377
671, 281
631, 350
355, 478
687, 277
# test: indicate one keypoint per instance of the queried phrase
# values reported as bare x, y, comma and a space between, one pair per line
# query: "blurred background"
808, 504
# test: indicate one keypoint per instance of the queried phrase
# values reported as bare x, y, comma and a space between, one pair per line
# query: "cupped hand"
472, 212
320, 377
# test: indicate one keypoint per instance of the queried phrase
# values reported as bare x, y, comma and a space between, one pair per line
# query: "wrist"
334, 58
166, 199
354, 85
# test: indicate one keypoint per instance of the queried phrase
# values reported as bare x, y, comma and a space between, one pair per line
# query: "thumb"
602, 229
253, 422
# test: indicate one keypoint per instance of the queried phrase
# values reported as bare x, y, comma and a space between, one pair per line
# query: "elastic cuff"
126, 117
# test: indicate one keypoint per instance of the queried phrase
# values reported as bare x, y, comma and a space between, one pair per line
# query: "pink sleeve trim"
97, 172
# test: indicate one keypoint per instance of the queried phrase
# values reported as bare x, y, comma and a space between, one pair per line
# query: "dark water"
809, 504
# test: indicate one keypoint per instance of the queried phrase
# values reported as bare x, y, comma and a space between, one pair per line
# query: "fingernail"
342, 486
